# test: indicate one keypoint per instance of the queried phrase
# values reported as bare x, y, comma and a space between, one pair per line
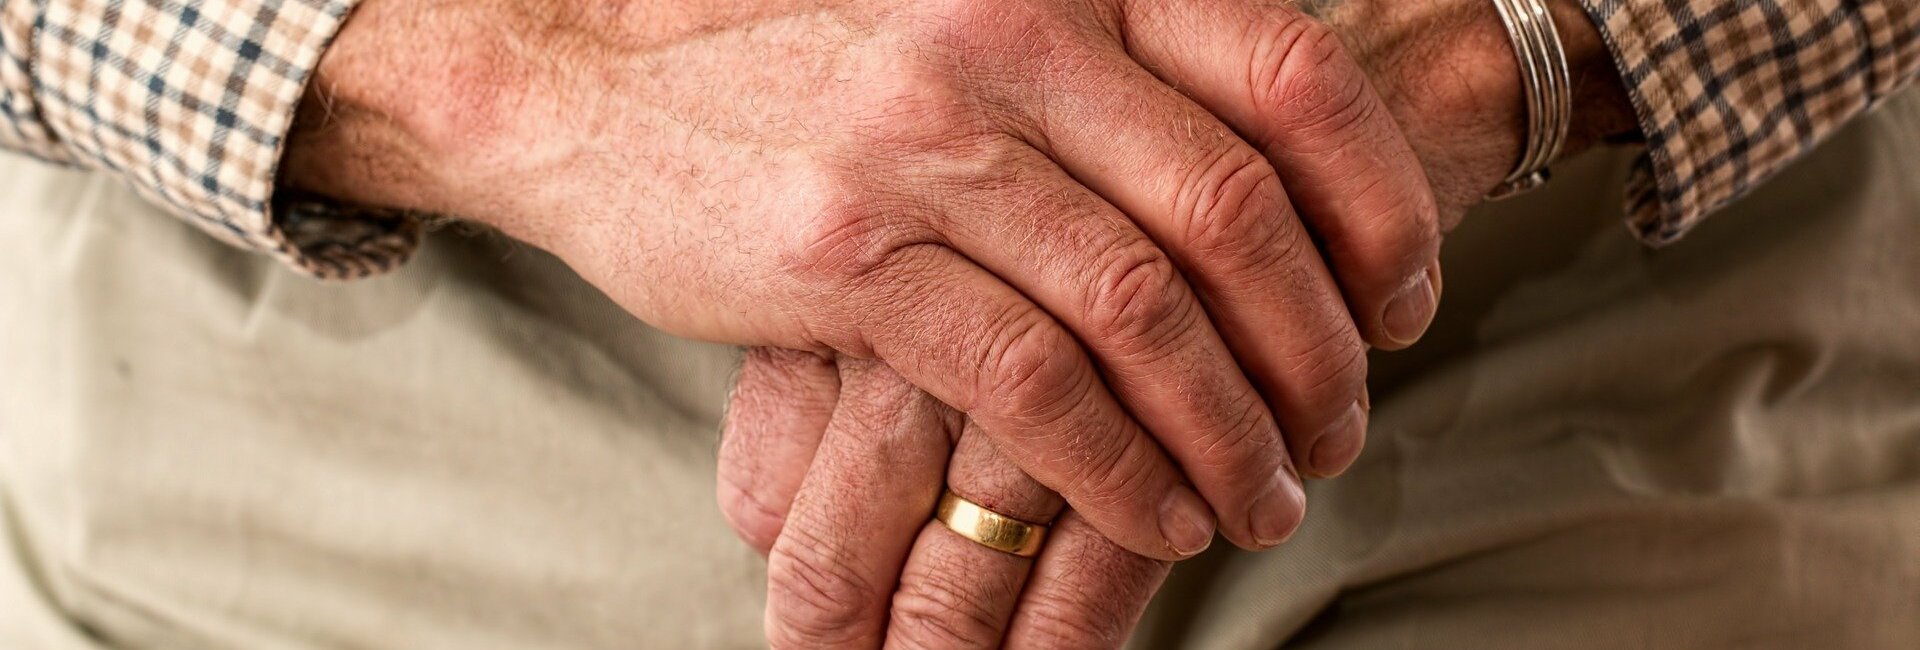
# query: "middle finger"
875, 477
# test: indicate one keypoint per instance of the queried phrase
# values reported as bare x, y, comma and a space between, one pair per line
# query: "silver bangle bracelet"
1548, 90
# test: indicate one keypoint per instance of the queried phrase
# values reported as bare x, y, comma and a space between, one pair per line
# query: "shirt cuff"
1729, 92
190, 103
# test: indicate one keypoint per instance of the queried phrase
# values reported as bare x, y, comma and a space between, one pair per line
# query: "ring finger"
955, 592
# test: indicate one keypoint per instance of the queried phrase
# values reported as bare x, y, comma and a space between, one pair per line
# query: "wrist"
406, 110
1449, 73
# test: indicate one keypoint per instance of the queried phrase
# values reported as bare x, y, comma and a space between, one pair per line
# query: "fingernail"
1278, 512
1411, 310
1186, 521
1340, 443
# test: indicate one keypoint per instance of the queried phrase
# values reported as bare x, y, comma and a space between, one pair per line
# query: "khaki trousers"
1598, 446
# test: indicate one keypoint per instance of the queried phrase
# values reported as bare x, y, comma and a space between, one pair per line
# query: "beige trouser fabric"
1599, 446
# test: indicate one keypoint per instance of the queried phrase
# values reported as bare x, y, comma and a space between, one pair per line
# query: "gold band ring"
988, 528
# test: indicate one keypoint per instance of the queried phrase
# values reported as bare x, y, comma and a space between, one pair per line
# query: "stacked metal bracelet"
1549, 91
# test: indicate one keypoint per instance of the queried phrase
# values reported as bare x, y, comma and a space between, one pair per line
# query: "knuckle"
1135, 300
775, 393
1250, 438
933, 613
855, 233
880, 401
1408, 227
974, 171
1303, 77
1266, 263
1098, 608
923, 116
1390, 259
1399, 234
1332, 369
1234, 206
1110, 477
1052, 622
813, 600
1033, 372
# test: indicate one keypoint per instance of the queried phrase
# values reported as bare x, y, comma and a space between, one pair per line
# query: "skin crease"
1006, 201
1450, 79
752, 172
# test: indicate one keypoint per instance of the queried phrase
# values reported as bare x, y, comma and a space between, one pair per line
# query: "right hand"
969, 191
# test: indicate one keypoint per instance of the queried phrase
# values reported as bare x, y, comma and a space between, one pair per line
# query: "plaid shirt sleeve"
1730, 91
189, 101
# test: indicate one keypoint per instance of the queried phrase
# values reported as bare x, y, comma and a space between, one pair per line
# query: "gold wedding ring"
988, 528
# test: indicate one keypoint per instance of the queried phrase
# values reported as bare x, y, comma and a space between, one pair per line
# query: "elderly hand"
1058, 216
856, 561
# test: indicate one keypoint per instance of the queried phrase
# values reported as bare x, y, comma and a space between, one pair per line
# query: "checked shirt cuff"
190, 103
1729, 92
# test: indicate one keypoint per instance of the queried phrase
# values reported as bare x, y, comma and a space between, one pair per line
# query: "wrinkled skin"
1143, 245
1003, 200
1449, 81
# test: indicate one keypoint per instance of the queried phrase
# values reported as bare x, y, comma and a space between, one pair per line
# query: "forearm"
471, 108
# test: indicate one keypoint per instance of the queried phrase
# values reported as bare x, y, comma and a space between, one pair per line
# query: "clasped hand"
1142, 245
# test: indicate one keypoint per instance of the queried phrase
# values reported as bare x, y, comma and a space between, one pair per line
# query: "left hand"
857, 563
